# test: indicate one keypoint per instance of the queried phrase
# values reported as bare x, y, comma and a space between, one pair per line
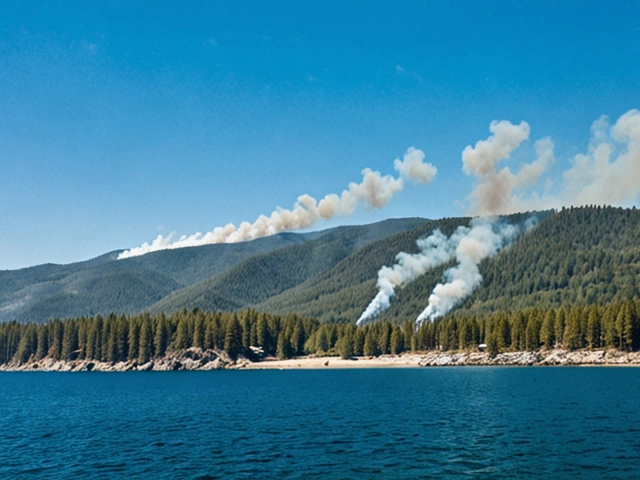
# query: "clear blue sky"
120, 120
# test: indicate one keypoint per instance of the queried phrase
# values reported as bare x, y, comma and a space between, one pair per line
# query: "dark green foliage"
345, 344
233, 338
548, 330
493, 346
396, 341
103, 285
580, 256
145, 346
342, 292
533, 328
267, 275
145, 337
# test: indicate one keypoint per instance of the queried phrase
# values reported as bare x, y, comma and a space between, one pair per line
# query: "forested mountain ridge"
262, 276
581, 256
342, 293
578, 256
104, 284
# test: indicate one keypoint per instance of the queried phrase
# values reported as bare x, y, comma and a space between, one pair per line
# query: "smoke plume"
435, 250
374, 191
484, 239
606, 174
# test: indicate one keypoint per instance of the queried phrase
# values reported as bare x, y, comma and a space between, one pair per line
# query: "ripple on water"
457, 422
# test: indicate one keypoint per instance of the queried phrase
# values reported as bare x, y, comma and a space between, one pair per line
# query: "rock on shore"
542, 357
189, 359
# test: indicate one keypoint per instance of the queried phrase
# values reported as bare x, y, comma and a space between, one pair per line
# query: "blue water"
397, 423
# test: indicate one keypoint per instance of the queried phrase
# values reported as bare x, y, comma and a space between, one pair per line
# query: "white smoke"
484, 239
375, 191
435, 250
607, 173
412, 166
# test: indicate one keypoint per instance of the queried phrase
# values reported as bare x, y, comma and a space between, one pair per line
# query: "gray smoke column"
374, 191
484, 239
435, 250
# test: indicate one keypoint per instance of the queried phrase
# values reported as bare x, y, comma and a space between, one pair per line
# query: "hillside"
104, 284
579, 256
267, 275
342, 293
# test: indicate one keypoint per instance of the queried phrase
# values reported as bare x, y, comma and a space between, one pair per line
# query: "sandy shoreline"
384, 361
556, 357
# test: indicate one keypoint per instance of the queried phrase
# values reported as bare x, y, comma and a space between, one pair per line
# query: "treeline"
145, 337
616, 325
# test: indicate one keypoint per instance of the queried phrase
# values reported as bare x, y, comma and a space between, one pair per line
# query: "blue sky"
123, 120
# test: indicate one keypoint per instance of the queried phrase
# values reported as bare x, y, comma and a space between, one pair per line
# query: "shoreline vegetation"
189, 340
198, 359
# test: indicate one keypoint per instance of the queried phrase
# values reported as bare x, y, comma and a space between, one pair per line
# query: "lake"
457, 422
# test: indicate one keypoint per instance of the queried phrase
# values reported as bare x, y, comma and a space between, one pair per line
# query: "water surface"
460, 422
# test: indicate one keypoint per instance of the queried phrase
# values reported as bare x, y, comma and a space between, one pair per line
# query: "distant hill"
265, 275
104, 284
579, 256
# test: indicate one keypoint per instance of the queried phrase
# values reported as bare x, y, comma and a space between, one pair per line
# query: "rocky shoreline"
555, 357
198, 359
189, 359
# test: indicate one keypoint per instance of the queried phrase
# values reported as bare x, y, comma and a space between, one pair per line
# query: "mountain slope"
263, 276
583, 256
104, 284
579, 256
343, 292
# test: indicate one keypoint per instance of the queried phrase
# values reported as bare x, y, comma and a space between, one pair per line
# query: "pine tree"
297, 338
547, 331
493, 344
161, 340
233, 338
518, 332
145, 348
28, 344
593, 328
134, 339
358, 342
397, 341
55, 342
572, 338
409, 330
284, 347
199, 331
561, 316
184, 337
532, 334
345, 344
122, 338
322, 340
43, 341
630, 326
262, 332
371, 344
